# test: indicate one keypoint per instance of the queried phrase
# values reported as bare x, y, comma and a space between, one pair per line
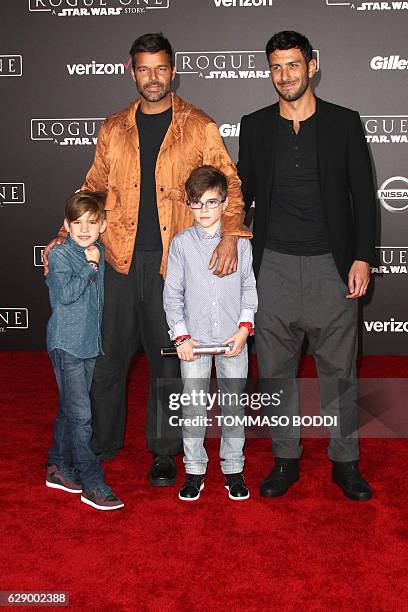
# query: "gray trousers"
231, 376
301, 295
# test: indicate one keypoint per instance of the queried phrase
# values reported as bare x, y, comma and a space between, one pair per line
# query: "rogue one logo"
80, 132
13, 318
396, 5
38, 255
388, 129
12, 193
393, 62
393, 260
392, 191
95, 8
11, 65
226, 64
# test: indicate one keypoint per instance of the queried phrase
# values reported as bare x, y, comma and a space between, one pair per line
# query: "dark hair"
151, 43
85, 201
290, 40
203, 178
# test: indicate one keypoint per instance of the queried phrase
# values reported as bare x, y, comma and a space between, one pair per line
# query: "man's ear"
66, 225
312, 68
173, 73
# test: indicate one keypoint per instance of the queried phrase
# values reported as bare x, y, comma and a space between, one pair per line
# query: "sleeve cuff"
88, 272
247, 315
179, 329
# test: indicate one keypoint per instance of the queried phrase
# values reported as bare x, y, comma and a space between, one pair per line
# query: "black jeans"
133, 317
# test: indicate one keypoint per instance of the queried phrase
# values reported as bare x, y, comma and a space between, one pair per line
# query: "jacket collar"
181, 111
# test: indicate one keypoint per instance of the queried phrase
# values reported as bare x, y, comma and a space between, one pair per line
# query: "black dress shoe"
191, 489
163, 472
347, 475
236, 486
106, 455
283, 475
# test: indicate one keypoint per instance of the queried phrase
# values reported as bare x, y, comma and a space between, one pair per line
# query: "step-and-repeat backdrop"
64, 67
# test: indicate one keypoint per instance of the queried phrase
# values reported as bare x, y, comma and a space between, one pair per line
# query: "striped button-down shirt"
199, 303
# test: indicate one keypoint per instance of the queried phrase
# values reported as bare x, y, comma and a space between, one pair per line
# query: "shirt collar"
203, 235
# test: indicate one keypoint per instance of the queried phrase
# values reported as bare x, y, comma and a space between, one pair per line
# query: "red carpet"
312, 549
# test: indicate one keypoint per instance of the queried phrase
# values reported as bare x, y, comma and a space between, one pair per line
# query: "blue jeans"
231, 377
72, 428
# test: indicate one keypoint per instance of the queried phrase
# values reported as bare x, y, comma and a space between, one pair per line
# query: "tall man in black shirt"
306, 165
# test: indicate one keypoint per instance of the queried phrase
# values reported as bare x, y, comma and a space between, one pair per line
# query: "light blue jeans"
231, 376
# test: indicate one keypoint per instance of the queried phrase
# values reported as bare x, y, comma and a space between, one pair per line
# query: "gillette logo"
393, 62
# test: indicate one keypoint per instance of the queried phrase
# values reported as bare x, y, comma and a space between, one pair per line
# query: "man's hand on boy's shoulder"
239, 339
51, 245
225, 256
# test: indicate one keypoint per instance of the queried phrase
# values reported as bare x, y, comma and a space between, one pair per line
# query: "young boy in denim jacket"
75, 282
202, 308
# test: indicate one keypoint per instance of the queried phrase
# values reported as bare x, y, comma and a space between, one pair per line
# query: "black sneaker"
102, 498
235, 484
347, 475
191, 489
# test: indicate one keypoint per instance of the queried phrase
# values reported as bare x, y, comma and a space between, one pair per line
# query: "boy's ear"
103, 226
224, 206
66, 225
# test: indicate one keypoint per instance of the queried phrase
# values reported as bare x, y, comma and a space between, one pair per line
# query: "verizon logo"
96, 68
392, 326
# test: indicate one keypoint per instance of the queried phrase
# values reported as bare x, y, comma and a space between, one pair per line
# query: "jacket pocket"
112, 200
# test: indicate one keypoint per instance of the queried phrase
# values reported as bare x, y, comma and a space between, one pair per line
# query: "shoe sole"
236, 498
189, 499
85, 500
280, 494
54, 485
159, 482
356, 497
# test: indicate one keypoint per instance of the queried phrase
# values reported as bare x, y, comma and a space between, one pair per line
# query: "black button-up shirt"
297, 223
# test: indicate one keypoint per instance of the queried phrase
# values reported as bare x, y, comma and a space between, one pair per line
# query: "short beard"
292, 97
154, 97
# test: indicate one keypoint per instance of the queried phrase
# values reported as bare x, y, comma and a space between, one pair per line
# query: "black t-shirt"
297, 223
152, 130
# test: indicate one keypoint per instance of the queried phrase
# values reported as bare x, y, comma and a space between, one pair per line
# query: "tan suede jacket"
192, 140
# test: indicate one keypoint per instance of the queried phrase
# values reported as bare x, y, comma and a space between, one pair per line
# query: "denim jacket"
76, 297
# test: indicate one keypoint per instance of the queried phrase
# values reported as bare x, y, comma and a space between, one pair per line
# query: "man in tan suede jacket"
143, 157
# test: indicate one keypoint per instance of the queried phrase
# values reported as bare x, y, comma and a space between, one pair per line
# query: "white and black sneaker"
237, 489
191, 489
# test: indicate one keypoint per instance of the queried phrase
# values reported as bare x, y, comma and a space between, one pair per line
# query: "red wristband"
182, 338
249, 327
